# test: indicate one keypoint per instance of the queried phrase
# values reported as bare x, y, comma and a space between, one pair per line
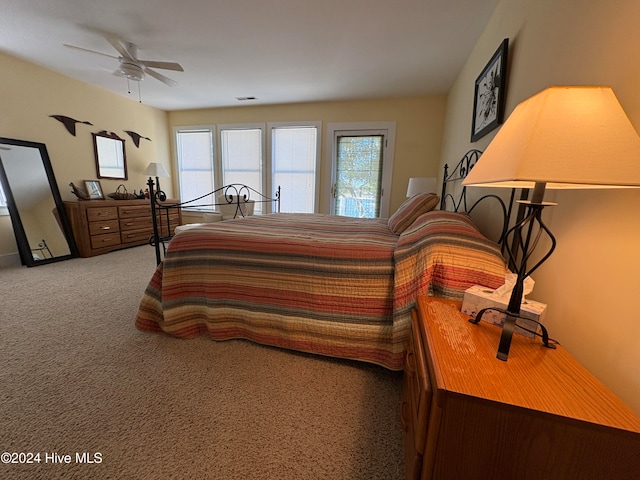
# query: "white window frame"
353, 128
315, 124
217, 166
243, 126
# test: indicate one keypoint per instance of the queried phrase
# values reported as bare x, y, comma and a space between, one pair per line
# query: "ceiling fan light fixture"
131, 71
131, 67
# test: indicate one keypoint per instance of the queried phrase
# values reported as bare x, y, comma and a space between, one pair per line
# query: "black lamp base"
525, 235
510, 323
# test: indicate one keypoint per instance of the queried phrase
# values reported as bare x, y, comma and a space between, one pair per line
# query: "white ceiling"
279, 51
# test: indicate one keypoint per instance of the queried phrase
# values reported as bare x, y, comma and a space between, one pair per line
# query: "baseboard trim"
9, 260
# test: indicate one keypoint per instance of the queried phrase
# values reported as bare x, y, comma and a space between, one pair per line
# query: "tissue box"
478, 297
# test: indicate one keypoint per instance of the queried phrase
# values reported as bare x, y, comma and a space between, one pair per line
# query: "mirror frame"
116, 139
24, 248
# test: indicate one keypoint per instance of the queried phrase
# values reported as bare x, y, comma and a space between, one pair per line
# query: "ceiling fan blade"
89, 51
159, 76
118, 45
164, 65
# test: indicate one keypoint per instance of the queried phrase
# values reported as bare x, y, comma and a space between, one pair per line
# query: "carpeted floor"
77, 378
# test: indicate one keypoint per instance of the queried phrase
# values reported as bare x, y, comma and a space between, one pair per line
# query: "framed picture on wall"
489, 96
93, 189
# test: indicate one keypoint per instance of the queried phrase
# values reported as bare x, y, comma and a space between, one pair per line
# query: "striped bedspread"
330, 285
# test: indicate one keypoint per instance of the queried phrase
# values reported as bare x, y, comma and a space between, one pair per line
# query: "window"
195, 153
294, 165
240, 156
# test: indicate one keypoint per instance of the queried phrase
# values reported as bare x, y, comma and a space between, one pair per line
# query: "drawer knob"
410, 361
106, 228
404, 422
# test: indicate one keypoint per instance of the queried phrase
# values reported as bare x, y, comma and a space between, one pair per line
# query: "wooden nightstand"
540, 415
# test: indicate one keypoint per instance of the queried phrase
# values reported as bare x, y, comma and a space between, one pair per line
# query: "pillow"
411, 209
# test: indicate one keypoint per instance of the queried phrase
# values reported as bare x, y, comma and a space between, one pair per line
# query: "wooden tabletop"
533, 377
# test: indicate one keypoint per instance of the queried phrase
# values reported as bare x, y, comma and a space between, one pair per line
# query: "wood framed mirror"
38, 217
111, 160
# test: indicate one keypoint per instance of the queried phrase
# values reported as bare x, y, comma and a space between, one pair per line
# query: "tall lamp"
420, 185
561, 138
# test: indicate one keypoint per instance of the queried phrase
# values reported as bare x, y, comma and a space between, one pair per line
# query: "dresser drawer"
106, 240
132, 211
174, 221
101, 213
422, 392
133, 223
412, 456
130, 236
106, 226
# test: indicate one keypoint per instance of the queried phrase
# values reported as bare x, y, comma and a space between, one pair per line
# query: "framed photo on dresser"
93, 189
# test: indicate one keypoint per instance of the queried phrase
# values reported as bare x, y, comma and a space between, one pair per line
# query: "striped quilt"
324, 284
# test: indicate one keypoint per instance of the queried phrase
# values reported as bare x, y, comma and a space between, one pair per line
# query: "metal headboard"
459, 173
233, 194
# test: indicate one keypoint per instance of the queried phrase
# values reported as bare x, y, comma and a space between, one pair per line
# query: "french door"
360, 173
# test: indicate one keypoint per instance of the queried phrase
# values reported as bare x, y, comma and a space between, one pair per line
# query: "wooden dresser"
101, 226
540, 415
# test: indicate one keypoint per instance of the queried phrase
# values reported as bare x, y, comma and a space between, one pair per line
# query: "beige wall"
418, 120
591, 281
29, 94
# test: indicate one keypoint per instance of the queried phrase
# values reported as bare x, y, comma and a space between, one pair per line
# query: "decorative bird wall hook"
69, 123
136, 137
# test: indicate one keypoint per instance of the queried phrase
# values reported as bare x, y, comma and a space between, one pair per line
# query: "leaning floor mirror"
38, 217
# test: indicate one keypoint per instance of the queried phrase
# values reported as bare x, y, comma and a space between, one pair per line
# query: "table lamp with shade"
157, 170
421, 185
567, 137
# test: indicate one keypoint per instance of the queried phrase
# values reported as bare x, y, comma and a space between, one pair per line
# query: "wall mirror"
111, 161
38, 217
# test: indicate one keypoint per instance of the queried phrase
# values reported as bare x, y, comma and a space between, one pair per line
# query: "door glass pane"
358, 176
294, 167
195, 163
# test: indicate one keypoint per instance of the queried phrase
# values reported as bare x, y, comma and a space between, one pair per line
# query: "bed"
330, 285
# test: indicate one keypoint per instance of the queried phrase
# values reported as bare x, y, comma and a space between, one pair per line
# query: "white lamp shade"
566, 137
156, 170
421, 185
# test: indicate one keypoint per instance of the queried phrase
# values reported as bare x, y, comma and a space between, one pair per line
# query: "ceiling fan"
131, 66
